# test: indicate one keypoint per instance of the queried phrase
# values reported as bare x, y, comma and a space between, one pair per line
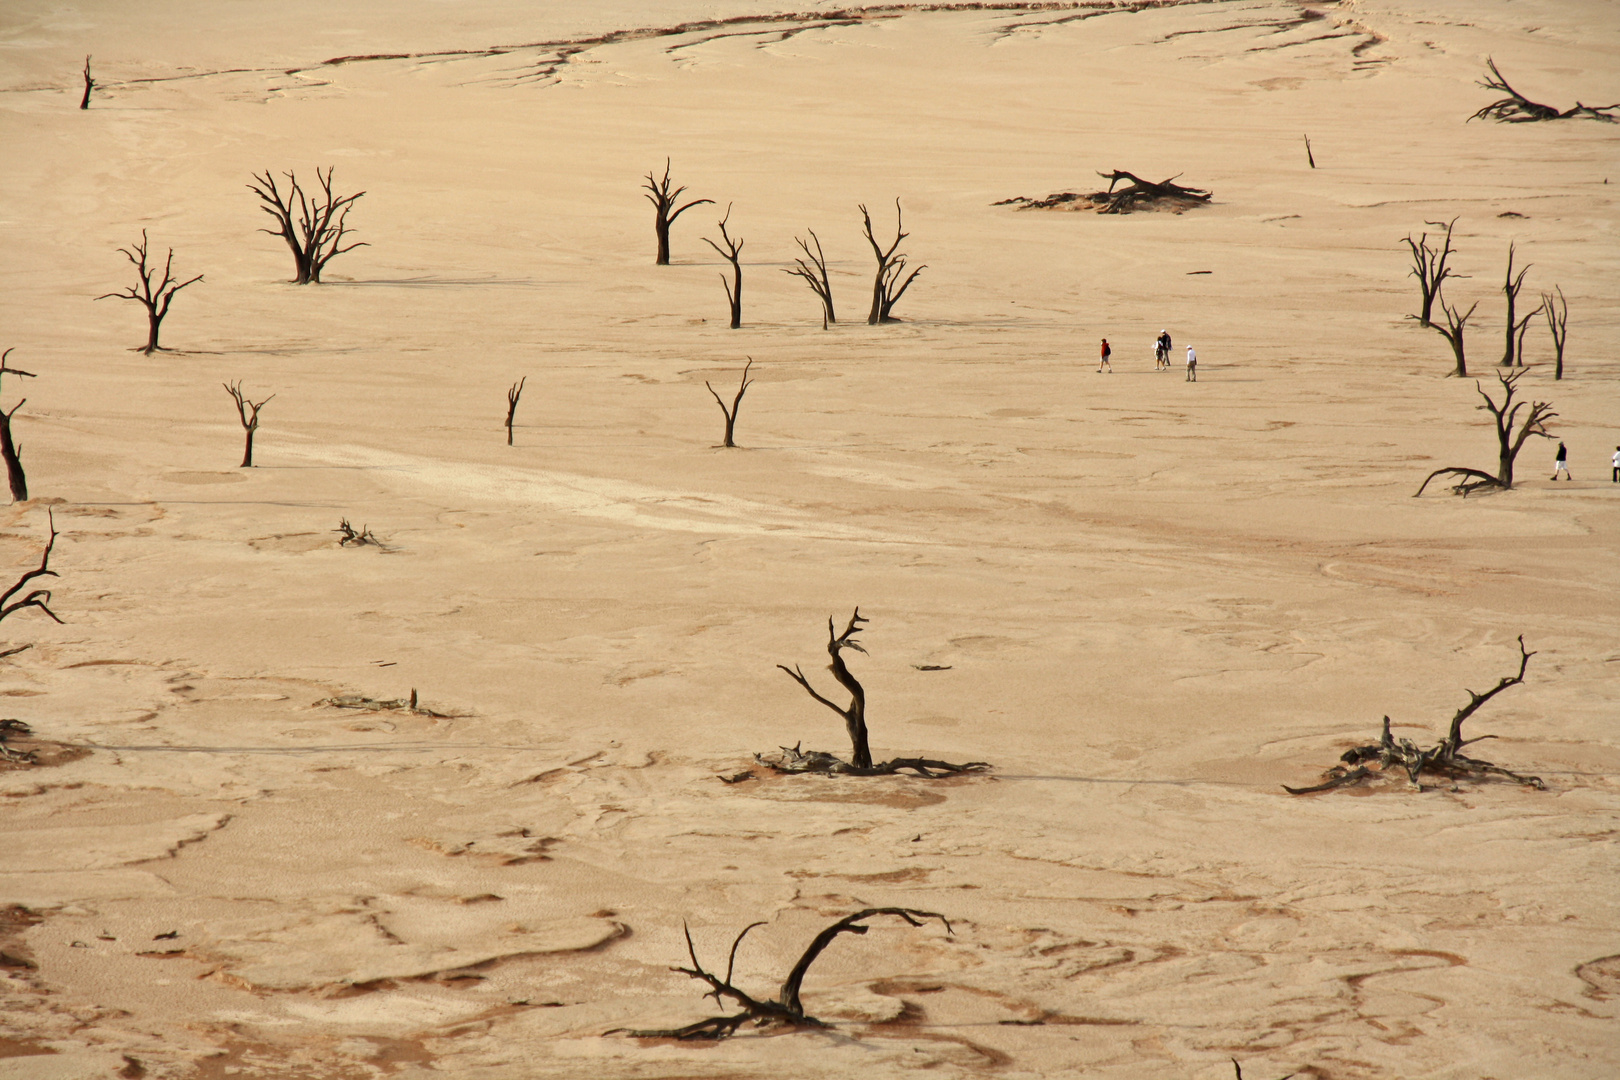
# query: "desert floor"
1149, 603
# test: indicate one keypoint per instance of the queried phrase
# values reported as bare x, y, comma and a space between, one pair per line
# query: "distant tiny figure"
1615, 479
1161, 351
1560, 465
1105, 362
1192, 365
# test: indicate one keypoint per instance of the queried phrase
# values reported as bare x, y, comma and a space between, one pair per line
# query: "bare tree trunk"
1510, 288
249, 413
731, 251
855, 714
887, 285
1453, 333
155, 298
1509, 441
1429, 267
1308, 156
8, 447
316, 236
663, 197
736, 403
1558, 323
814, 273
89, 85
512, 397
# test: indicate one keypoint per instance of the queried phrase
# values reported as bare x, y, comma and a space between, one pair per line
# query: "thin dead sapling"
663, 195
736, 403
1557, 312
249, 412
1513, 350
813, 269
1518, 109
154, 298
9, 449
89, 85
891, 280
1308, 155
1444, 759
794, 760
512, 396
787, 1010
1509, 438
731, 251
316, 235
1429, 267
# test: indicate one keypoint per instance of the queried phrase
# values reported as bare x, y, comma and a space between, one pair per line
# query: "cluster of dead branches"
155, 298
794, 760
1137, 194
366, 704
1511, 433
1429, 267
36, 598
814, 273
1518, 109
1390, 756
347, 535
316, 234
786, 1010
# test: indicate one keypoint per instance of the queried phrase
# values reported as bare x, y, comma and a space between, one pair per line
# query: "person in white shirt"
1192, 365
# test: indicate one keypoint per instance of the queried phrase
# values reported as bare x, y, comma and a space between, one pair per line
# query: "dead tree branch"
891, 281
347, 535
1509, 439
1557, 312
664, 197
512, 396
787, 1010
1429, 267
1518, 109
38, 598
814, 273
736, 402
9, 450
731, 251
1512, 352
316, 237
249, 412
1453, 333
155, 300
1308, 155
1444, 759
1138, 194
89, 85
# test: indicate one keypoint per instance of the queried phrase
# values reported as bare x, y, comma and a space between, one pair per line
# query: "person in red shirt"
1106, 364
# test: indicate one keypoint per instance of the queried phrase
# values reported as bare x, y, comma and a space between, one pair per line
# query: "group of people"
1161, 357
1561, 465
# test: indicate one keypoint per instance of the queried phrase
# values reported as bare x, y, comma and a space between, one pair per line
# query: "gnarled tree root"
797, 762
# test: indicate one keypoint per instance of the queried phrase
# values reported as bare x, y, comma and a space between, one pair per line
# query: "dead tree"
512, 396
1453, 333
1429, 267
1518, 109
664, 198
794, 760
38, 598
731, 251
1513, 351
347, 535
155, 299
736, 402
1509, 440
1308, 155
891, 281
1140, 193
8, 446
89, 85
249, 412
316, 236
1557, 312
787, 1010
1444, 759
814, 273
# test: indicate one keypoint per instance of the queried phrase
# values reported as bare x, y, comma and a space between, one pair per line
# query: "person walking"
1192, 365
1615, 479
1105, 363
1561, 465
1161, 351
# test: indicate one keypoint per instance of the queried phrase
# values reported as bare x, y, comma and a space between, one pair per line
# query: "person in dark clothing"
1561, 465
1105, 362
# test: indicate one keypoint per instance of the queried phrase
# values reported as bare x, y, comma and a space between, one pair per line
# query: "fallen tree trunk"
1137, 194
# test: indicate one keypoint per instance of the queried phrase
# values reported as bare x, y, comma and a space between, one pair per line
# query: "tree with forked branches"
664, 195
891, 281
1557, 312
1513, 351
38, 598
316, 234
9, 450
1429, 267
1453, 333
249, 413
1518, 109
813, 269
1511, 433
155, 298
731, 252
512, 397
736, 403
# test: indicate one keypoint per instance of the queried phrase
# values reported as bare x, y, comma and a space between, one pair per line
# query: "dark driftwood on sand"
1137, 194
1518, 109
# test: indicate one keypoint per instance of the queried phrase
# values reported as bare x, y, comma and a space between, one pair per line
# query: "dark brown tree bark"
1453, 333
814, 273
89, 85
1513, 350
855, 713
1511, 433
154, 298
316, 236
38, 598
736, 403
1518, 109
1557, 312
891, 281
732, 249
1429, 267
664, 196
9, 450
512, 396
1308, 155
249, 413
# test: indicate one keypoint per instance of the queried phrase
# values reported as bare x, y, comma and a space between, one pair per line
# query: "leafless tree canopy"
736, 402
1511, 433
313, 225
9, 450
730, 248
1429, 267
249, 413
786, 1010
36, 598
1518, 109
663, 195
891, 281
1456, 324
1557, 312
813, 269
151, 291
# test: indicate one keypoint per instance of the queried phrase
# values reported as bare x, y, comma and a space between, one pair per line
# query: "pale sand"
1158, 601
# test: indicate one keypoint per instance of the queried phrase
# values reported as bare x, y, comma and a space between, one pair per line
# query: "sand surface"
1150, 602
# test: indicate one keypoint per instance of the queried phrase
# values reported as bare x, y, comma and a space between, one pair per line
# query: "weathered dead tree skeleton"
38, 598
814, 273
1444, 759
1518, 109
664, 197
1137, 194
891, 281
1456, 324
736, 403
1429, 267
786, 1010
316, 237
794, 760
731, 252
249, 412
155, 300
1513, 351
512, 396
1556, 309
89, 85
1508, 440
347, 534
8, 446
